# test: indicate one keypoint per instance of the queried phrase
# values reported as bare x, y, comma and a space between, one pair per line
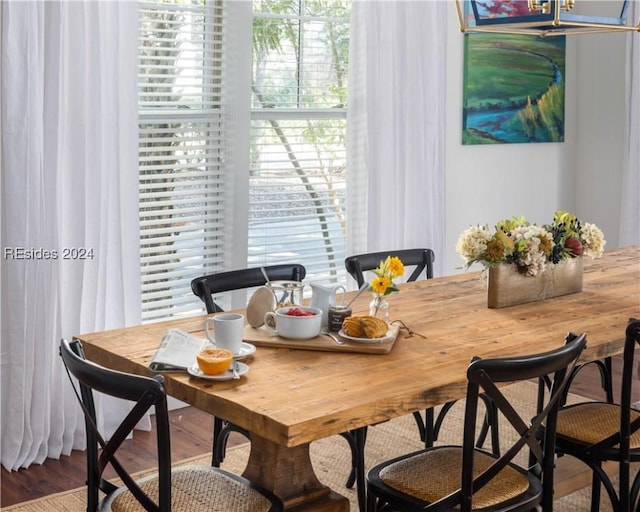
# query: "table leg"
288, 473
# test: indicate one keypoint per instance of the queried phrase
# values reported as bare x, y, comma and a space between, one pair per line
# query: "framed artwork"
513, 89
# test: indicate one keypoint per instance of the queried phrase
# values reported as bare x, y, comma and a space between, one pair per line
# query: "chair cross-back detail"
205, 288
181, 489
465, 477
596, 432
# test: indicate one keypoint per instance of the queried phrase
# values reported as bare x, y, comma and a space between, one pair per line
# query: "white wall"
583, 174
601, 131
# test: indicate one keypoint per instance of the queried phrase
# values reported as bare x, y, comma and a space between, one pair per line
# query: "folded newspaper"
177, 351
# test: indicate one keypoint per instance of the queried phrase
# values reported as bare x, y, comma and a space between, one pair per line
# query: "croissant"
374, 327
351, 327
364, 327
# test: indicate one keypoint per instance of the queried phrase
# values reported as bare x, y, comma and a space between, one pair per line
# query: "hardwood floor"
191, 435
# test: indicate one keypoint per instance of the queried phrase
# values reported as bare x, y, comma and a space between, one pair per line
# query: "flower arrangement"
528, 246
385, 273
383, 284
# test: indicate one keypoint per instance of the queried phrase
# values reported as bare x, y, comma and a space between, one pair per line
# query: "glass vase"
379, 307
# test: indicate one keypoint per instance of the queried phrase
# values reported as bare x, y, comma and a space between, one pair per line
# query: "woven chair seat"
435, 473
591, 422
195, 488
467, 479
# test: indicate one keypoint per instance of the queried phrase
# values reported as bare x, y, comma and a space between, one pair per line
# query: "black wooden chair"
465, 478
421, 261
206, 287
596, 432
179, 489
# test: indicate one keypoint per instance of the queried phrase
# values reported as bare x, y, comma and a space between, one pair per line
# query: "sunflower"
395, 266
379, 285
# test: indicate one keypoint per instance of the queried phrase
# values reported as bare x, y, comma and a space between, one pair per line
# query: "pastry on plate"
364, 327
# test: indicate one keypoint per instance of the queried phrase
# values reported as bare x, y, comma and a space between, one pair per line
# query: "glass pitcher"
287, 293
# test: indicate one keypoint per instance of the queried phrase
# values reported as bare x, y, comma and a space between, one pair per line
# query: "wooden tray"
263, 338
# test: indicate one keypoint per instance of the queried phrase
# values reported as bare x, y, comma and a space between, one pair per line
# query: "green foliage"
551, 110
284, 72
527, 117
545, 120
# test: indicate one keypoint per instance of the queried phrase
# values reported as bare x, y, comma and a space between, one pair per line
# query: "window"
295, 188
298, 118
182, 187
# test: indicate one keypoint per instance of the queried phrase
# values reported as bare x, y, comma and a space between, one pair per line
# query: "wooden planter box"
506, 287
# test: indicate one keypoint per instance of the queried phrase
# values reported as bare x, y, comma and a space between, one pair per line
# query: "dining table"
293, 396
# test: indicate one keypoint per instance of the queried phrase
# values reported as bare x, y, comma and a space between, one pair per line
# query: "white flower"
473, 243
535, 262
527, 240
593, 241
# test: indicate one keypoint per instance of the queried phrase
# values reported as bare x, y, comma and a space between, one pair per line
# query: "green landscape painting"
513, 89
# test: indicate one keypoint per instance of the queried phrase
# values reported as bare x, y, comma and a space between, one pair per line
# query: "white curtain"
630, 205
396, 126
69, 208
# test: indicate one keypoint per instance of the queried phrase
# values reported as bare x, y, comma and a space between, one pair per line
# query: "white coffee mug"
227, 331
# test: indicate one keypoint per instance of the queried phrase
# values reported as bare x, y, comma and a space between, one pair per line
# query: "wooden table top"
292, 397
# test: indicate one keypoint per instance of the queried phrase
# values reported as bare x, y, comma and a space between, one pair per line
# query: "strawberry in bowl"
294, 322
296, 311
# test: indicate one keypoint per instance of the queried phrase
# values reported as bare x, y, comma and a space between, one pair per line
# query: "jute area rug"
332, 458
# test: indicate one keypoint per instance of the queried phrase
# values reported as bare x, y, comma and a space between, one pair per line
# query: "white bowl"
294, 327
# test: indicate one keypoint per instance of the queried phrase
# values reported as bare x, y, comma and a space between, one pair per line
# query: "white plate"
246, 349
364, 340
228, 375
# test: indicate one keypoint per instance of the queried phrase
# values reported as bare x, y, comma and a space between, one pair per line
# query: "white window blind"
297, 171
182, 187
